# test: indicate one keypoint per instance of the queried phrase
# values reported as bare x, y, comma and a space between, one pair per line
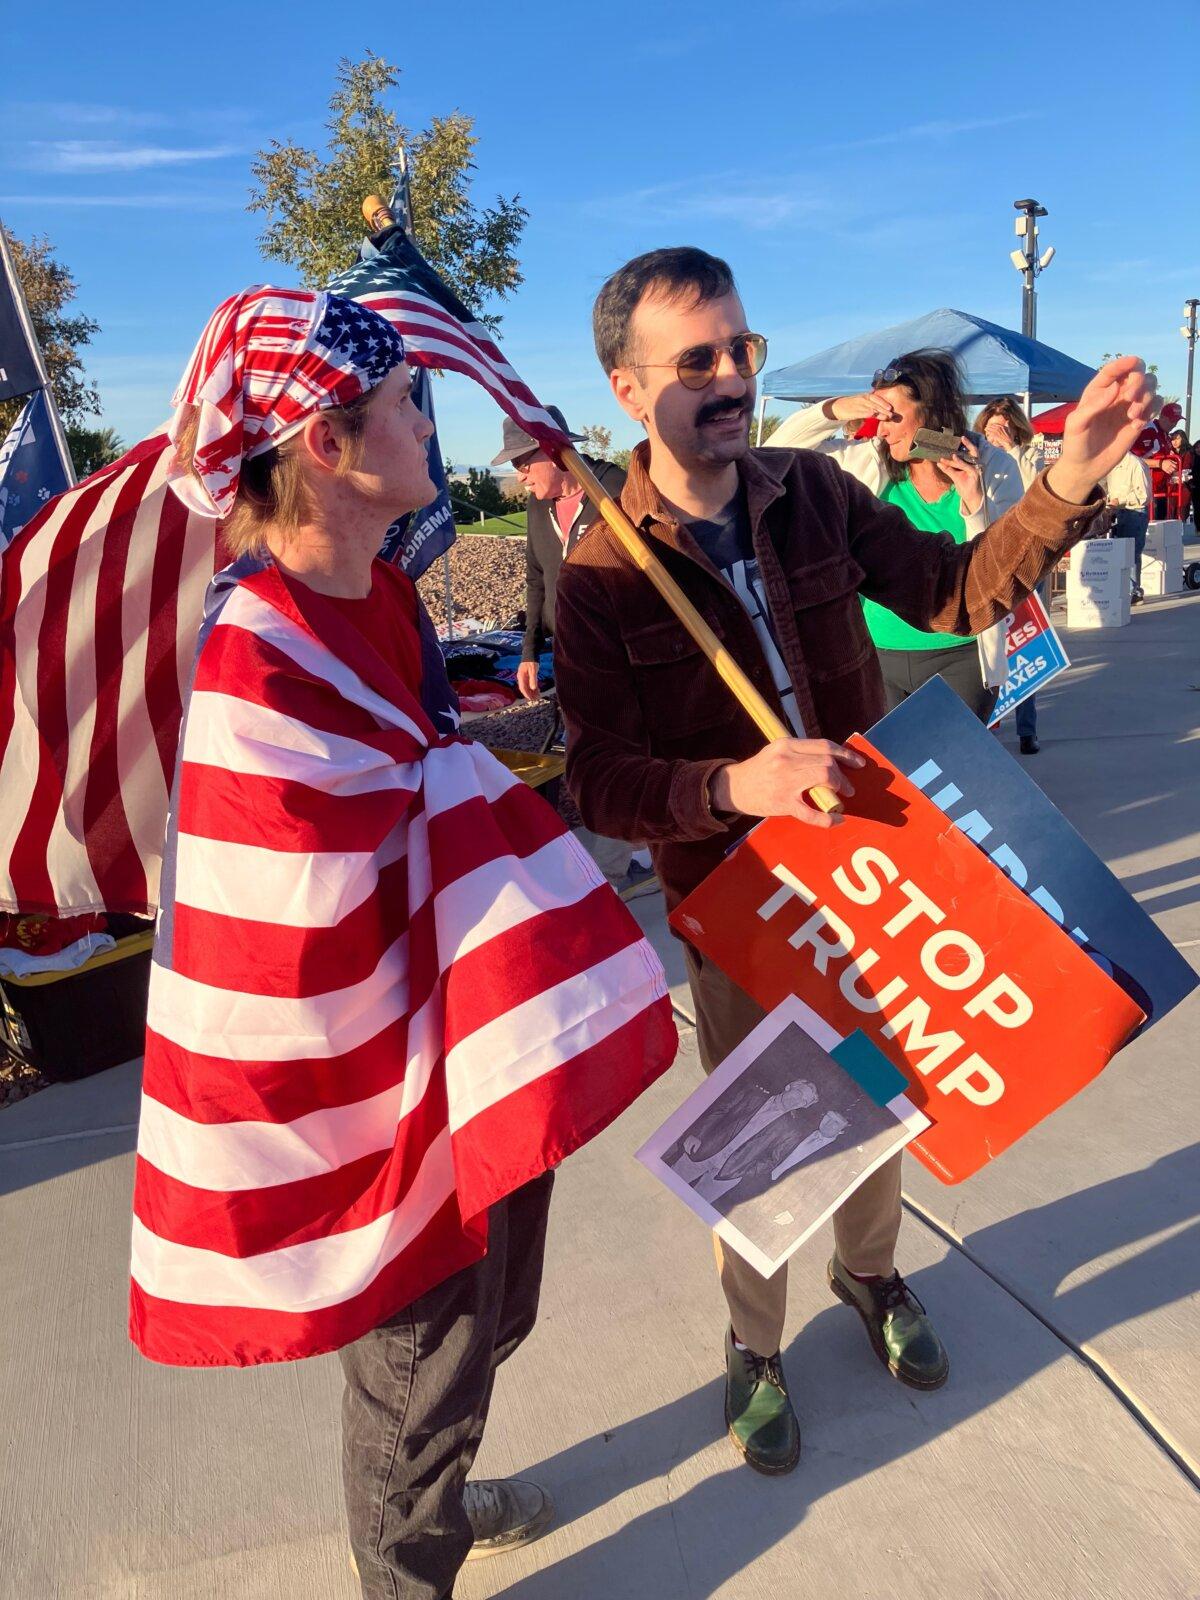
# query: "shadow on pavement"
720, 1525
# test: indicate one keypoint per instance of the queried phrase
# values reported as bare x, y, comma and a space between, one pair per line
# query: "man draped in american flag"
390, 992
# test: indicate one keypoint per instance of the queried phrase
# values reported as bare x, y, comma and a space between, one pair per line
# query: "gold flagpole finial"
378, 213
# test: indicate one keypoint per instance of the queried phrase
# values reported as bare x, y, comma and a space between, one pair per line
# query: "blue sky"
856, 167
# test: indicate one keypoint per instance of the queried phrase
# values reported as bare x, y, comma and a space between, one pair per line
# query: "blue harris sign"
1035, 655
941, 747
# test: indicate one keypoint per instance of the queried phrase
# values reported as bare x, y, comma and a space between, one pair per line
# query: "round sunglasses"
697, 366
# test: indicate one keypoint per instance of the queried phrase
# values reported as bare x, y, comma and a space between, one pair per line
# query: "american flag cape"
388, 988
101, 598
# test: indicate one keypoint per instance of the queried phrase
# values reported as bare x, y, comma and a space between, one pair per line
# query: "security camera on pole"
1189, 333
1028, 261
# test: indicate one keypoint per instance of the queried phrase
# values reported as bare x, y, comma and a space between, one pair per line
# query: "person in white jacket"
922, 389
1003, 423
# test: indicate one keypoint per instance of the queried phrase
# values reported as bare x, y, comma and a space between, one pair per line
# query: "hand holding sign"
776, 781
1104, 426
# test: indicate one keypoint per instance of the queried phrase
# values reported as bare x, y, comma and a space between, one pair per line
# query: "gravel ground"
487, 576
17, 1081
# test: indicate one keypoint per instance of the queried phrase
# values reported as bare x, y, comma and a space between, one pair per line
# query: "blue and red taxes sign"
1035, 655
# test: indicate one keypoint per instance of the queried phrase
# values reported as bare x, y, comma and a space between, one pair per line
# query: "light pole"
1028, 262
1189, 333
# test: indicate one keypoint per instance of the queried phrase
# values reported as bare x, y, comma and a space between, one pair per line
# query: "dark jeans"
1025, 717
1133, 525
904, 671
417, 1393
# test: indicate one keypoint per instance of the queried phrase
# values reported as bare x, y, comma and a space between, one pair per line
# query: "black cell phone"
936, 444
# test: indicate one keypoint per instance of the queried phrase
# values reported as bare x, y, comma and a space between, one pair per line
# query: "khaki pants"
610, 855
864, 1228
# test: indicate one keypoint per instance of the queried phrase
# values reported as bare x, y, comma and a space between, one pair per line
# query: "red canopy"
1053, 421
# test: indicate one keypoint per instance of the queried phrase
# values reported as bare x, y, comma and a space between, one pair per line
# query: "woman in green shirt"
922, 389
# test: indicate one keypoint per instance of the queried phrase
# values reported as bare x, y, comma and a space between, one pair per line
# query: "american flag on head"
439, 331
101, 594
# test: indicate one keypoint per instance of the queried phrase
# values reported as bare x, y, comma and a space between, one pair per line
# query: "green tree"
312, 201
478, 492
93, 448
770, 423
49, 289
597, 441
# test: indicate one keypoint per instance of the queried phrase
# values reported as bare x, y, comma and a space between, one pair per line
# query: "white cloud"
716, 197
85, 114
930, 130
112, 155
170, 200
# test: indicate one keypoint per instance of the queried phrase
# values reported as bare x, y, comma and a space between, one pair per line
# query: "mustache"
720, 408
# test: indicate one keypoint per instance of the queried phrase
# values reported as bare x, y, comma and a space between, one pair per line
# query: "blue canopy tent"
995, 361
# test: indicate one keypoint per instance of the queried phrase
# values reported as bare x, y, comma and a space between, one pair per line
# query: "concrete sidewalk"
1037, 1473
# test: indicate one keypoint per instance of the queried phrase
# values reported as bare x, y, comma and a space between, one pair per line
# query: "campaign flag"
1035, 656
20, 371
31, 468
942, 749
416, 540
896, 924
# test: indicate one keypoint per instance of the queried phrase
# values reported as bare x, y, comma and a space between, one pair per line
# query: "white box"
1095, 558
1096, 620
1087, 608
1162, 577
1164, 538
1098, 591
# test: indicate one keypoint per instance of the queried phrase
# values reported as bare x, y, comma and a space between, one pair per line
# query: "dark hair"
679, 272
1008, 408
935, 382
1175, 433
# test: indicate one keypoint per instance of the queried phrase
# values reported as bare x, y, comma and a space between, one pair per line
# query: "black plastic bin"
70, 1024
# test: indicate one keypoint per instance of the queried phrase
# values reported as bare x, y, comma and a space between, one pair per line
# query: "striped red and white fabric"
388, 988
100, 600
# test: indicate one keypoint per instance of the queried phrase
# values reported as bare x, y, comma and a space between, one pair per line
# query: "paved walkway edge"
1187, 1464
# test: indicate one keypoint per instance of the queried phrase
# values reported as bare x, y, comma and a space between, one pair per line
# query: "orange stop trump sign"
896, 923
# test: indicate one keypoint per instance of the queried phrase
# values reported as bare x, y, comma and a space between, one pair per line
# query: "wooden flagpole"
378, 216
747, 696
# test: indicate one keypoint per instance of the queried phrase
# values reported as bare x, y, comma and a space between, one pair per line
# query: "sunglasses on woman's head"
697, 366
887, 377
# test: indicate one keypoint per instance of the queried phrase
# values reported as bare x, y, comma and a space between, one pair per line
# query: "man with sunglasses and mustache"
774, 547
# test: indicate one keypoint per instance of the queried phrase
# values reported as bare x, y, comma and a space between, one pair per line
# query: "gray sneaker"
505, 1513
637, 881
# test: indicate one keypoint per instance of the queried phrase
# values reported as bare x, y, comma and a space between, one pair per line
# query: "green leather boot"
901, 1334
758, 1411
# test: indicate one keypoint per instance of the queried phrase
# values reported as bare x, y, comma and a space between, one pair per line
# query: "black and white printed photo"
776, 1138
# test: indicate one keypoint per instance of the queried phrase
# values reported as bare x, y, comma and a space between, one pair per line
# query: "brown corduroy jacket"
648, 719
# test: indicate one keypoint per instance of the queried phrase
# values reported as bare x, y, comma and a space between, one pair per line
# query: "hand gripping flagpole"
771, 727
